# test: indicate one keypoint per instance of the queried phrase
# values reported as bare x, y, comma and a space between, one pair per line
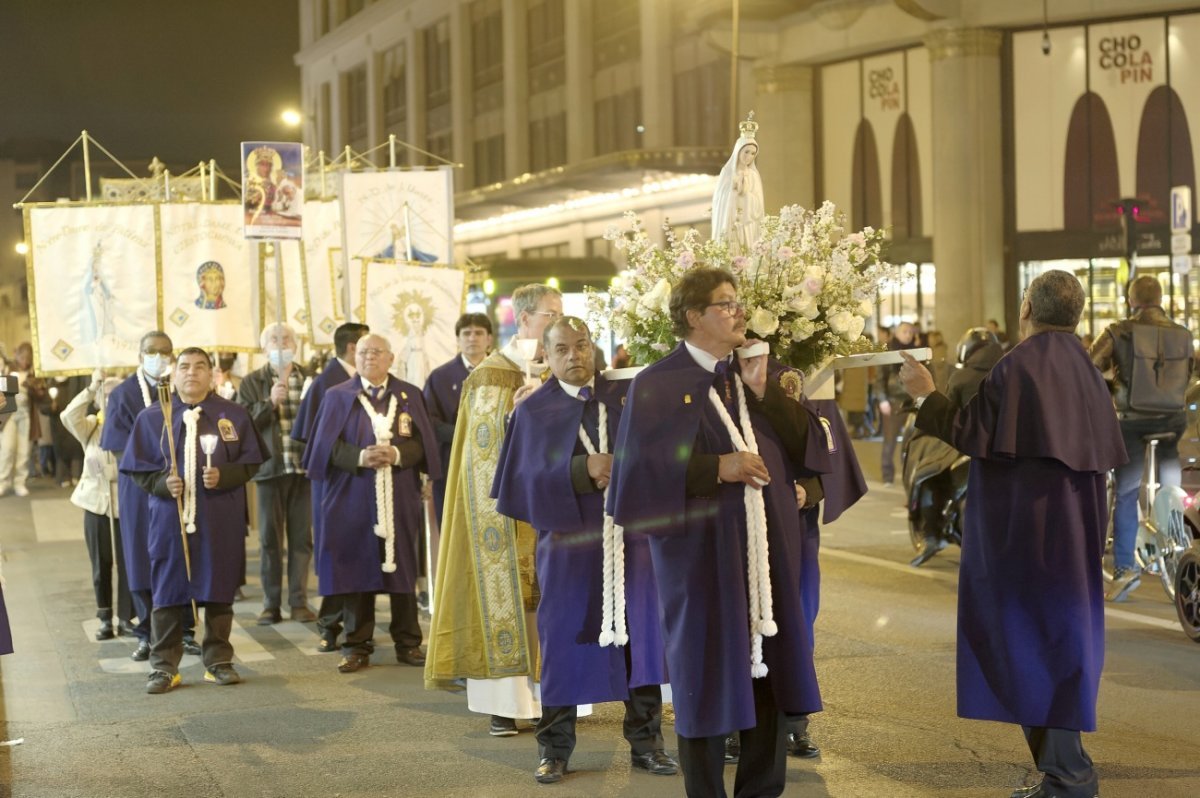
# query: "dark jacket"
254, 394
964, 379
1114, 350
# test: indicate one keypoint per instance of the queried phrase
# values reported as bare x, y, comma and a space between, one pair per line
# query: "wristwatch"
920, 400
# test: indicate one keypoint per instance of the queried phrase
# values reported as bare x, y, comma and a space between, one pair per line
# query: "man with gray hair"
1041, 434
484, 628
272, 396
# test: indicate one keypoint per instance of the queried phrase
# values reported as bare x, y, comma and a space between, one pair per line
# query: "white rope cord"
612, 618
190, 419
146, 400
385, 525
758, 573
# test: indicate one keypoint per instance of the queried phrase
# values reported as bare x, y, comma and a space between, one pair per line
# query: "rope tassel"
758, 569
385, 524
612, 612
191, 418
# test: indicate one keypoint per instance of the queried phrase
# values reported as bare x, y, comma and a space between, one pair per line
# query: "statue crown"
749, 127
263, 154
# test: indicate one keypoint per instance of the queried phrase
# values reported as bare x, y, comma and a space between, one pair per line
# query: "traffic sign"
1181, 264
1181, 209
1181, 243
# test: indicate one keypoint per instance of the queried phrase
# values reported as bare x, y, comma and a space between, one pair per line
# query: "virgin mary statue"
737, 205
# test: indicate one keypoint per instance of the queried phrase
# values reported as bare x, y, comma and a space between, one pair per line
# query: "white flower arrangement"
807, 285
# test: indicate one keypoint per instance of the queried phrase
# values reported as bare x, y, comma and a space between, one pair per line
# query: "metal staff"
102, 403
164, 400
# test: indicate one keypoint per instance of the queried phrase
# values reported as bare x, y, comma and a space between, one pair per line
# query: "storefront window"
910, 300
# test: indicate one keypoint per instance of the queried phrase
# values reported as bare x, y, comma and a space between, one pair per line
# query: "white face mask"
281, 358
155, 365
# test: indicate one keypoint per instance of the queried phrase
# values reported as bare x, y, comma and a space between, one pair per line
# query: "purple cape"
533, 484
218, 546
1041, 433
125, 404
443, 391
303, 427
6, 641
351, 554
698, 547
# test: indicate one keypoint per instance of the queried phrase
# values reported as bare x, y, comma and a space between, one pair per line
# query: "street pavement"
296, 727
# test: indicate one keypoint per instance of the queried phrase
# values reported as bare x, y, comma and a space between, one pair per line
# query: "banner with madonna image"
405, 216
208, 277
415, 308
272, 188
90, 272
318, 258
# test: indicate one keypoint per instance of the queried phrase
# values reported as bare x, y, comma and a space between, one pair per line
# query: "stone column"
462, 96
516, 88
658, 76
783, 108
581, 91
968, 188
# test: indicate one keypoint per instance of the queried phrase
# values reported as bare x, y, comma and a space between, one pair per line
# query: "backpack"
1160, 368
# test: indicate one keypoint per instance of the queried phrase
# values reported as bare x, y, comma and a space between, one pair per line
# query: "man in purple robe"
550, 479
707, 458
443, 388
1041, 434
127, 401
210, 489
339, 369
367, 449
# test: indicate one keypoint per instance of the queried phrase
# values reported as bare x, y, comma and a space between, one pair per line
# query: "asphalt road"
885, 655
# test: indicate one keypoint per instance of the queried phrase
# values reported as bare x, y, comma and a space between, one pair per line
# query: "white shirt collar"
513, 353
704, 359
470, 366
367, 385
348, 367
573, 390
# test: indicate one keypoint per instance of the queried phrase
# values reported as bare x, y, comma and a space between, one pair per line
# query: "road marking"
246, 648
944, 576
299, 636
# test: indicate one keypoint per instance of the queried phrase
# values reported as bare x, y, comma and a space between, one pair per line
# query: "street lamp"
22, 248
291, 117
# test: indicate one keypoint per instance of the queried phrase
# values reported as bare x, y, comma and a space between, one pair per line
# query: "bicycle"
1162, 534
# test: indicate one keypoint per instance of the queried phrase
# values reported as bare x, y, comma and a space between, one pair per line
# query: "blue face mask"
155, 365
281, 358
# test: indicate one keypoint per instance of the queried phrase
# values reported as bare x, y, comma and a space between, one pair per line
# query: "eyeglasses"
553, 314
369, 353
729, 307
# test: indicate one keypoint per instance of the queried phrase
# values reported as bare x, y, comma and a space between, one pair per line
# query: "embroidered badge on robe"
227, 430
830, 443
687, 398
792, 384
404, 424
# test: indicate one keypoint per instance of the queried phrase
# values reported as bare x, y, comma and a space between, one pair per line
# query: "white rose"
658, 300
805, 304
763, 322
866, 308
856, 328
839, 322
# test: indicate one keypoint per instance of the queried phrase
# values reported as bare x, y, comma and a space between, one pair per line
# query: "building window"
354, 104
548, 142
562, 250
618, 119
322, 17
547, 45
438, 118
616, 32
489, 160
348, 8
394, 80
702, 106
325, 117
487, 44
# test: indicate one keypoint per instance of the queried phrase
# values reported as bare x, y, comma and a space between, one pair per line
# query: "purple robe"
124, 405
443, 390
533, 484
1041, 433
351, 555
217, 547
303, 427
6, 641
698, 545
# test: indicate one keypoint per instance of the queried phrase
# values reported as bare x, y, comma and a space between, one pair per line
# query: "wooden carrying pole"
164, 400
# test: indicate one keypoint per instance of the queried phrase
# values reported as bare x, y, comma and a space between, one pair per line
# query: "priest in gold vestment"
484, 628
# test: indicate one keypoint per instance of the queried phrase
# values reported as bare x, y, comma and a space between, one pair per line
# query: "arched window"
866, 198
1164, 153
1091, 182
906, 182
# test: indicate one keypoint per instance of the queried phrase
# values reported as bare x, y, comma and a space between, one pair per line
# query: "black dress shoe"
550, 771
932, 546
801, 745
105, 632
142, 653
190, 646
733, 749
352, 663
125, 629
410, 656
327, 645
656, 762
1025, 792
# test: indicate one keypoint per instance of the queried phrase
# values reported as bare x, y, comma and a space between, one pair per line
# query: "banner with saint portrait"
318, 258
272, 188
415, 308
91, 272
396, 215
209, 273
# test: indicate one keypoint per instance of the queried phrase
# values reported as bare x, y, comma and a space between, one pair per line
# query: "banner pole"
321, 162
166, 185
87, 167
203, 184
278, 281
391, 150
212, 179
408, 251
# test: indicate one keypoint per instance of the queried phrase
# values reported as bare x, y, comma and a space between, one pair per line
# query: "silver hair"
270, 328
1056, 299
526, 298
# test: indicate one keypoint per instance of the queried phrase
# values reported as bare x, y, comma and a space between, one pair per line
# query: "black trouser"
1059, 755
358, 612
642, 727
762, 768
285, 513
143, 605
99, 537
329, 617
890, 425
166, 635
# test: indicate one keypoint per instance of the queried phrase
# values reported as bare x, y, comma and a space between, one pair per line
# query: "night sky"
185, 81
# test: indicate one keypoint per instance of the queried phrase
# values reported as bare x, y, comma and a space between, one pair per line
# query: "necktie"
585, 393
724, 374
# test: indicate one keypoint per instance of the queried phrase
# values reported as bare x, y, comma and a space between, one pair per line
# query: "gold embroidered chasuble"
485, 574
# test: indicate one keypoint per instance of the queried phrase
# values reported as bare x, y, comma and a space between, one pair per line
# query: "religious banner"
91, 273
396, 215
208, 276
319, 259
272, 188
294, 310
414, 307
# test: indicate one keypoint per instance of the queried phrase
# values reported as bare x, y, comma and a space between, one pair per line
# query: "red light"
1188, 501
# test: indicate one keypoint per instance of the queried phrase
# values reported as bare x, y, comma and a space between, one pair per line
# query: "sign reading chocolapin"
1124, 56
883, 87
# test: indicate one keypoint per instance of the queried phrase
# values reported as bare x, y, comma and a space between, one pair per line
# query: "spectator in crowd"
891, 399
17, 436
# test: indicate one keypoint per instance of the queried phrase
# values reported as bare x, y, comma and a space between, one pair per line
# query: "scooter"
935, 481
